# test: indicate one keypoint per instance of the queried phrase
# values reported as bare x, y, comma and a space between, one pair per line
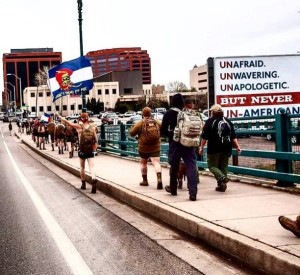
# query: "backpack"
224, 130
51, 127
60, 131
87, 140
150, 130
69, 131
188, 128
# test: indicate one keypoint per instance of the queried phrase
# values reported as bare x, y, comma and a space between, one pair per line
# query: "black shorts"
149, 155
85, 156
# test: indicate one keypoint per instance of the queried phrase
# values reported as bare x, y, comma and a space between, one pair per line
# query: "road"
50, 227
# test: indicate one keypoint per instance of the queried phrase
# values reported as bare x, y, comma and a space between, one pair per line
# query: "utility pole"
79, 2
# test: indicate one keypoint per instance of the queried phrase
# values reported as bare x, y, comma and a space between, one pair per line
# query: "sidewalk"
243, 221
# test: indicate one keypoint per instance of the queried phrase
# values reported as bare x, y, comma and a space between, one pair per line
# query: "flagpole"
79, 2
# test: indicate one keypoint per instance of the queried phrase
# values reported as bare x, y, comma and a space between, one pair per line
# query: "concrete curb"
251, 252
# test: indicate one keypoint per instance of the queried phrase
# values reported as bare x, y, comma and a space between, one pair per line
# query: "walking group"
69, 136
188, 136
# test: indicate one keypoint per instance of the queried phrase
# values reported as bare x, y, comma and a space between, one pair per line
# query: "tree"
177, 87
40, 78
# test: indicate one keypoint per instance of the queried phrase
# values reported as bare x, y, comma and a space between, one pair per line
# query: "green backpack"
87, 140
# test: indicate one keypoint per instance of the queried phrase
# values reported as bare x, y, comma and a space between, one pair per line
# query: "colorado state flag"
71, 78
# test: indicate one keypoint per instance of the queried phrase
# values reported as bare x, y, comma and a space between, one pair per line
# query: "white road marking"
66, 247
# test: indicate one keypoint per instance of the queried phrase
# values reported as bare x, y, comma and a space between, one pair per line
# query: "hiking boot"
168, 189
222, 184
83, 185
159, 186
290, 225
144, 183
193, 197
94, 186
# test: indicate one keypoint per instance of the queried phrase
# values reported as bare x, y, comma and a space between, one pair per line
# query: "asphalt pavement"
243, 221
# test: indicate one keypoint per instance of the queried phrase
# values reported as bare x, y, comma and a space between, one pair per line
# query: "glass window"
48, 108
114, 91
107, 91
57, 108
48, 94
64, 107
40, 94
32, 94
41, 108
99, 92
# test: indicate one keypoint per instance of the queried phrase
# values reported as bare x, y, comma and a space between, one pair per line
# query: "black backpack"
223, 130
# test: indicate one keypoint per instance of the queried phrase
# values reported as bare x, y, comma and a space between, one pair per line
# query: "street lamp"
79, 2
14, 93
21, 93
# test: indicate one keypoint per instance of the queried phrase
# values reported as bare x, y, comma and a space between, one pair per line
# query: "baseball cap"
217, 108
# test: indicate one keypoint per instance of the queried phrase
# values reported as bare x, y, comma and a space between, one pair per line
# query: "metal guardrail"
115, 139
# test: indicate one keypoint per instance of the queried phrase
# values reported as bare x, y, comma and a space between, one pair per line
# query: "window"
40, 94
33, 109
57, 108
73, 107
107, 91
114, 91
32, 94
48, 94
99, 92
41, 108
48, 108
128, 90
79, 106
64, 107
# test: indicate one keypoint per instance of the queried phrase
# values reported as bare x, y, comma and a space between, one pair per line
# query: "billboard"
257, 85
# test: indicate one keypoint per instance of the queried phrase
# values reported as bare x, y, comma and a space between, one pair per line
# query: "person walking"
87, 140
70, 139
60, 136
219, 134
289, 224
41, 135
177, 151
148, 132
10, 127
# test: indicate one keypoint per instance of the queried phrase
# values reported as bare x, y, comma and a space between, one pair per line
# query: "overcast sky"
177, 34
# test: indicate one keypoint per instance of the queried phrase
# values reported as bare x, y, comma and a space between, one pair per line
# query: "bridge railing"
115, 139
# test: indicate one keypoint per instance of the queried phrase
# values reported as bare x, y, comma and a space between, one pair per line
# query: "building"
20, 67
121, 59
199, 78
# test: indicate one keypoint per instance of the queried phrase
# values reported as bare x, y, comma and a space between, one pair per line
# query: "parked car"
32, 115
128, 114
90, 113
110, 118
158, 116
134, 119
295, 138
101, 114
72, 116
160, 110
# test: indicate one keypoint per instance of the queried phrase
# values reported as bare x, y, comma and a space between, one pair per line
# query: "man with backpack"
87, 140
180, 149
148, 132
219, 134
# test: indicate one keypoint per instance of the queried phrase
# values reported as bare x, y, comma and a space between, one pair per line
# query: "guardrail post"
123, 139
102, 137
282, 145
